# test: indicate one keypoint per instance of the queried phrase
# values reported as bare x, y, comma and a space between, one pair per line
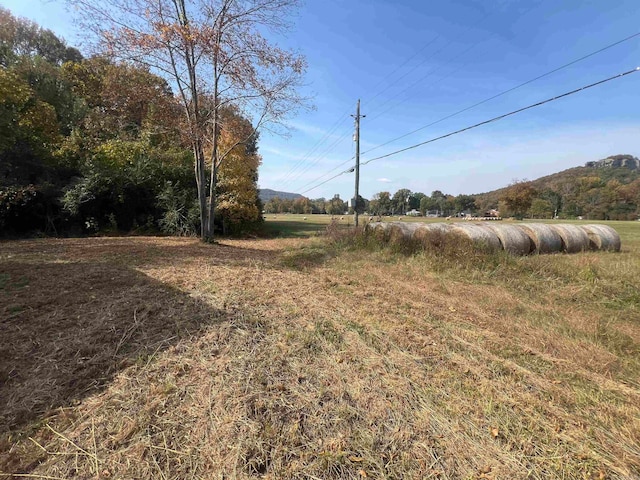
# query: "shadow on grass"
130, 251
68, 328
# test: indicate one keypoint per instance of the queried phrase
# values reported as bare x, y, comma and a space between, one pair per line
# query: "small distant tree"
400, 200
439, 200
380, 203
302, 205
318, 205
271, 205
426, 204
415, 199
541, 208
518, 198
336, 206
465, 203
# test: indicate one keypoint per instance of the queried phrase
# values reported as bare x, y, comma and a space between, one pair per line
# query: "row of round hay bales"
518, 239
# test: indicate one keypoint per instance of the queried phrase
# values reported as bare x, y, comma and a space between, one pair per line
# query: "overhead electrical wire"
630, 37
466, 109
315, 147
491, 120
421, 79
477, 23
323, 155
495, 119
400, 67
328, 173
291, 176
436, 70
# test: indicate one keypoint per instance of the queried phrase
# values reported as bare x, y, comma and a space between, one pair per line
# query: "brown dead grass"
167, 358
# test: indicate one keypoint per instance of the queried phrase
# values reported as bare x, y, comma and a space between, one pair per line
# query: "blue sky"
413, 62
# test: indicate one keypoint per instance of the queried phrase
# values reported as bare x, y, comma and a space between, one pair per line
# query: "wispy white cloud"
281, 153
385, 180
341, 133
307, 128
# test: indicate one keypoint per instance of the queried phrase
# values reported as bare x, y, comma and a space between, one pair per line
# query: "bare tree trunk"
190, 61
212, 202
214, 157
202, 194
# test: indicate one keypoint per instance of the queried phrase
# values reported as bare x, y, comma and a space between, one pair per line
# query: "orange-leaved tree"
211, 52
237, 188
518, 197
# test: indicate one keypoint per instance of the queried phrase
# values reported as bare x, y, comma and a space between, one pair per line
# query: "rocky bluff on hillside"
616, 161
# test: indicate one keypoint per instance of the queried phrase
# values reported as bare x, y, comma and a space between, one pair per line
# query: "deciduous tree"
380, 203
212, 48
518, 197
400, 200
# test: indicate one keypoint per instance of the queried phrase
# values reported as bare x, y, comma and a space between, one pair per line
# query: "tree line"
582, 192
157, 131
382, 203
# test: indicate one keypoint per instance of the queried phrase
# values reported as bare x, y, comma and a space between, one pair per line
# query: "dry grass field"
314, 357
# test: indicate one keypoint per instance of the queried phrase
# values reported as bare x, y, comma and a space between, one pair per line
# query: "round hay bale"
513, 239
574, 239
439, 227
405, 229
412, 227
378, 230
432, 234
373, 226
478, 234
602, 237
426, 228
544, 238
396, 233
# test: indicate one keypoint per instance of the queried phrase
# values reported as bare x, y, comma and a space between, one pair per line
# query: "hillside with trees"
607, 189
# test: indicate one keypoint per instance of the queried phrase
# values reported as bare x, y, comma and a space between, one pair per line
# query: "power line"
400, 67
494, 119
341, 118
506, 91
321, 156
478, 22
328, 180
328, 173
566, 65
424, 77
384, 103
315, 147
287, 176
451, 60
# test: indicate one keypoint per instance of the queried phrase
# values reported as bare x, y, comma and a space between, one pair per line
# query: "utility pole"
357, 116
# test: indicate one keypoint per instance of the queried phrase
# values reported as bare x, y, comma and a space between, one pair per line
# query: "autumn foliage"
96, 144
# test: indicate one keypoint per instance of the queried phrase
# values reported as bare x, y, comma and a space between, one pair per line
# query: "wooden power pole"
357, 116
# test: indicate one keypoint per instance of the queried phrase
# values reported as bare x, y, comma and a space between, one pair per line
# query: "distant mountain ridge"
616, 161
267, 194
